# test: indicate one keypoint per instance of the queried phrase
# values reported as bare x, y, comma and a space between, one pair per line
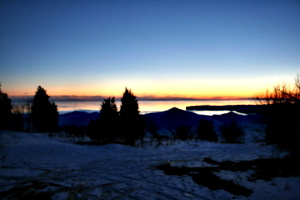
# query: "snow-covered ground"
40, 166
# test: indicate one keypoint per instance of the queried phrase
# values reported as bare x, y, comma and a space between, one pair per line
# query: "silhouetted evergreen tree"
44, 113
109, 118
130, 106
205, 131
5, 110
105, 129
132, 123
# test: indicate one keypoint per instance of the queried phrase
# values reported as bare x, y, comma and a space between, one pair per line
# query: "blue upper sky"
158, 47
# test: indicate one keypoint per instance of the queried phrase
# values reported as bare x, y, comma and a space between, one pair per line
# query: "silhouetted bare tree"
44, 113
21, 115
28, 115
282, 116
17, 117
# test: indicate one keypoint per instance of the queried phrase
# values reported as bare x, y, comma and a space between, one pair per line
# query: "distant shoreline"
237, 108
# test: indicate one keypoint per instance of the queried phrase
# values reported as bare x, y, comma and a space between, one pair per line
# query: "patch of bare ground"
261, 169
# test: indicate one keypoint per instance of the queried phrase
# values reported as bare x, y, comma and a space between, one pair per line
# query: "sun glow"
159, 89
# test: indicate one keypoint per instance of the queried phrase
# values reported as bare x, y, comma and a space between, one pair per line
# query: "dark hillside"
77, 118
174, 118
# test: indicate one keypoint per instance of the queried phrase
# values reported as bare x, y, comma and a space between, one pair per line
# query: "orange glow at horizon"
198, 89
193, 94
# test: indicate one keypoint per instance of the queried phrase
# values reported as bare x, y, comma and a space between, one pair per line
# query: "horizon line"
60, 98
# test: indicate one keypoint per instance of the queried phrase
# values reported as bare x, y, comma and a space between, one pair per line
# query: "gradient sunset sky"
182, 48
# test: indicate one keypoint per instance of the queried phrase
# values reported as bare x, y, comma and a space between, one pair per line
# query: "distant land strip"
238, 108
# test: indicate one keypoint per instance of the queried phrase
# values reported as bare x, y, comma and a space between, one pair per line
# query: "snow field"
36, 164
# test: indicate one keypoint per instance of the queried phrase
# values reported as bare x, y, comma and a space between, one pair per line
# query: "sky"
157, 48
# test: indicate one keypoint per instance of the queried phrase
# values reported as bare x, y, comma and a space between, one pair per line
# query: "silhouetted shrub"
44, 113
232, 132
132, 123
21, 116
281, 116
27, 115
75, 131
17, 117
5, 110
205, 131
183, 133
94, 130
153, 130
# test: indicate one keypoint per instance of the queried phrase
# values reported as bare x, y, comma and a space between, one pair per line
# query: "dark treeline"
38, 114
125, 126
280, 113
